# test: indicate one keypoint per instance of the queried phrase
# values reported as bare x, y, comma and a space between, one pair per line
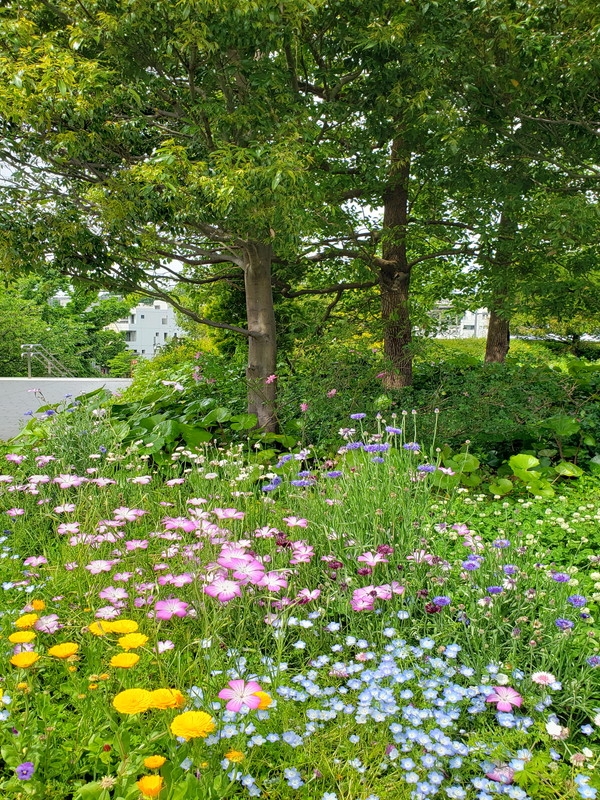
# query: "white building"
148, 327
471, 325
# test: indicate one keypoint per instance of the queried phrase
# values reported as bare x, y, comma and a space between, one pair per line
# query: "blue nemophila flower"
329, 796
293, 778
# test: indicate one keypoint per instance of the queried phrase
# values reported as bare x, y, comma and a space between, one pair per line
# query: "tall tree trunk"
498, 337
394, 275
262, 343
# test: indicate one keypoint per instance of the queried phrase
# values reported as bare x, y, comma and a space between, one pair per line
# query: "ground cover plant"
220, 626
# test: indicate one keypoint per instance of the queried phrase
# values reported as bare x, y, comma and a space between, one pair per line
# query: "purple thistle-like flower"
593, 661
357, 416
396, 431
577, 600
354, 445
377, 448
470, 565
25, 771
416, 448
494, 589
564, 624
561, 577
426, 468
336, 473
501, 543
378, 460
510, 569
441, 600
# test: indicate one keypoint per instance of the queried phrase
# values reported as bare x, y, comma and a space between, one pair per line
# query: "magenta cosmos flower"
504, 697
241, 694
165, 609
295, 522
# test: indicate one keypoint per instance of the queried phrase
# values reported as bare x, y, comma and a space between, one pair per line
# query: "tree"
154, 143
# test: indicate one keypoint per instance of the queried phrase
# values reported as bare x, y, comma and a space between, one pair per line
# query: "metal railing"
37, 352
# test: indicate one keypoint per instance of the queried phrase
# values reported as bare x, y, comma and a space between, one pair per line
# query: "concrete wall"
16, 397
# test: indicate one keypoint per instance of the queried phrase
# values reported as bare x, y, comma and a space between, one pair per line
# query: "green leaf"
194, 435
568, 470
561, 425
465, 462
502, 486
523, 461
216, 415
243, 422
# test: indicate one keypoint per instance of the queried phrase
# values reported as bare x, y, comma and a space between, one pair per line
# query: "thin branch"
340, 287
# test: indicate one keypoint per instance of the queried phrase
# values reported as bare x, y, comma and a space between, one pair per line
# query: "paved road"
15, 399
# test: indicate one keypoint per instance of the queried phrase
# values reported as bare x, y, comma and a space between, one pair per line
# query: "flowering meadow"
225, 626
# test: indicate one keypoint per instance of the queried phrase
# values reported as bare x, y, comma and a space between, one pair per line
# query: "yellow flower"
151, 785
265, 699
235, 756
38, 605
24, 659
154, 762
26, 621
20, 637
93, 686
122, 626
65, 650
124, 660
167, 698
99, 628
192, 724
132, 701
23, 686
132, 640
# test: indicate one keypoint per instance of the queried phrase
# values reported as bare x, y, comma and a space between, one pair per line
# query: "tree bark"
262, 342
394, 275
498, 338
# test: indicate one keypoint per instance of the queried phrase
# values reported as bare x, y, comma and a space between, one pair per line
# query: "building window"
468, 327
143, 351
165, 321
132, 319
142, 316
123, 321
157, 308
165, 336
130, 336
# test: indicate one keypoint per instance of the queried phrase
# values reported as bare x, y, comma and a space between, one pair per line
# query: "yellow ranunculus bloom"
265, 699
24, 659
132, 640
65, 650
123, 626
124, 660
154, 762
192, 724
38, 605
21, 637
151, 785
26, 621
167, 698
132, 701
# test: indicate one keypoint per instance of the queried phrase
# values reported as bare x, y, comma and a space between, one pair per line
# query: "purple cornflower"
426, 468
303, 482
593, 661
501, 543
25, 771
564, 624
357, 416
396, 431
416, 448
510, 569
336, 473
354, 445
495, 589
560, 577
577, 600
470, 565
442, 600
378, 460
377, 448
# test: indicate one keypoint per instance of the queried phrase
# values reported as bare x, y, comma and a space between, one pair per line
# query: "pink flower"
266, 532
68, 527
372, 559
136, 544
48, 624
419, 556
141, 479
241, 694
271, 379
228, 513
15, 458
124, 514
245, 570
165, 609
113, 594
174, 481
15, 512
502, 774
295, 522
179, 523
543, 678
332, 393
273, 582
66, 508
223, 589
35, 561
95, 567
107, 612
504, 697
162, 647
303, 407
69, 481
305, 596
302, 553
